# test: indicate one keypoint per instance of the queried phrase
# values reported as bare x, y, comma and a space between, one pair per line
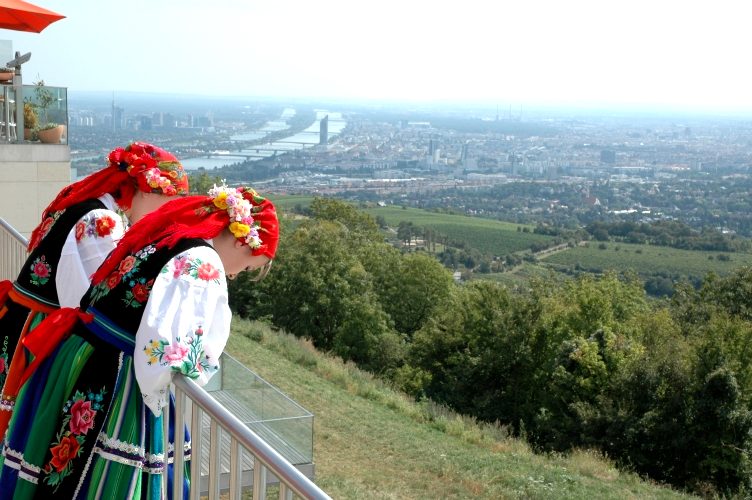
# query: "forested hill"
662, 387
371, 442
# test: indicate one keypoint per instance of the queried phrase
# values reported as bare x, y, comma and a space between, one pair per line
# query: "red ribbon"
5, 287
45, 338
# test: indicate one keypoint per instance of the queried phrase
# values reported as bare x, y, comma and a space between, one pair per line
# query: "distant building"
169, 121
324, 131
608, 156
117, 117
144, 123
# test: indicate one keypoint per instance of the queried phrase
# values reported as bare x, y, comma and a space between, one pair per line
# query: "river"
305, 139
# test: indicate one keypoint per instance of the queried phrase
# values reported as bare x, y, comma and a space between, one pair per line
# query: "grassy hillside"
647, 259
372, 442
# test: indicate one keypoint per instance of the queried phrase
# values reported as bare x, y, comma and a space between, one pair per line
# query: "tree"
201, 182
314, 281
362, 226
423, 286
405, 232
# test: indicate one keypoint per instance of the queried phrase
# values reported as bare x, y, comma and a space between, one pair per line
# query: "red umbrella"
22, 16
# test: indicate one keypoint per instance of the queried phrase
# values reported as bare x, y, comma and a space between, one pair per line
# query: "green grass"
488, 236
373, 442
649, 259
287, 202
520, 275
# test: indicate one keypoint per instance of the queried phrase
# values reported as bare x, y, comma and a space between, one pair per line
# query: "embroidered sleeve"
91, 239
185, 325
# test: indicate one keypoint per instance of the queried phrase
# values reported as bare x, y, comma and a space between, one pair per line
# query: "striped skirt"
80, 428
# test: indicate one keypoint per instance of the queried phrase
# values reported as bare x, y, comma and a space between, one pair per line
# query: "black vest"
46, 256
123, 304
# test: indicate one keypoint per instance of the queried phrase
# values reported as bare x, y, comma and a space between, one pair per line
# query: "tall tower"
324, 131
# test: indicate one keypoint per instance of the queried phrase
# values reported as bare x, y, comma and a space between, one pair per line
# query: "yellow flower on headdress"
239, 230
221, 200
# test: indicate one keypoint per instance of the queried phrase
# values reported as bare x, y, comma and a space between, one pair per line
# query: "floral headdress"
242, 225
154, 169
253, 219
139, 166
250, 217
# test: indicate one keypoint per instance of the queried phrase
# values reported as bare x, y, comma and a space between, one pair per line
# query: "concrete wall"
31, 175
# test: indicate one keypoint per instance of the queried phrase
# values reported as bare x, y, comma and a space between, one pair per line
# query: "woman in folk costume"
88, 423
78, 230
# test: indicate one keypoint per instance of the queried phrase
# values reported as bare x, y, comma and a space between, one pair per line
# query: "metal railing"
266, 459
12, 251
190, 399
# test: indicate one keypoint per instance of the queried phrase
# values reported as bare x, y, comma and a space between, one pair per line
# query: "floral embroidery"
40, 271
144, 253
193, 267
139, 292
139, 288
185, 356
80, 412
92, 226
48, 222
207, 272
4, 355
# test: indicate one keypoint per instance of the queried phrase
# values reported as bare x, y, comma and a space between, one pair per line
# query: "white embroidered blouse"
185, 326
88, 243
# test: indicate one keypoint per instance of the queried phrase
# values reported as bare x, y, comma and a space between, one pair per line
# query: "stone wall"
31, 175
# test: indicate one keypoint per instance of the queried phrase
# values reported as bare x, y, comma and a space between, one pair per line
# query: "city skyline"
675, 55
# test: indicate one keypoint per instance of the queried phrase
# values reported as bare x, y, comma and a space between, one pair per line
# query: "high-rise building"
324, 131
117, 117
144, 123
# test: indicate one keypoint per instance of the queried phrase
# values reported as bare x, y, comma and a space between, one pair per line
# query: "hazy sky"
638, 52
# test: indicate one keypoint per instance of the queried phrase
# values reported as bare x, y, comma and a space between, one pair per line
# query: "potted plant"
30, 119
48, 132
6, 74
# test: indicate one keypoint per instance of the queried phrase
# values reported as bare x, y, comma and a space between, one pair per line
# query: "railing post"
214, 461
259, 480
178, 462
196, 450
165, 447
236, 462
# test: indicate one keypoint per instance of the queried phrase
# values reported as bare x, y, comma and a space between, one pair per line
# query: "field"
647, 259
286, 202
372, 442
488, 236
